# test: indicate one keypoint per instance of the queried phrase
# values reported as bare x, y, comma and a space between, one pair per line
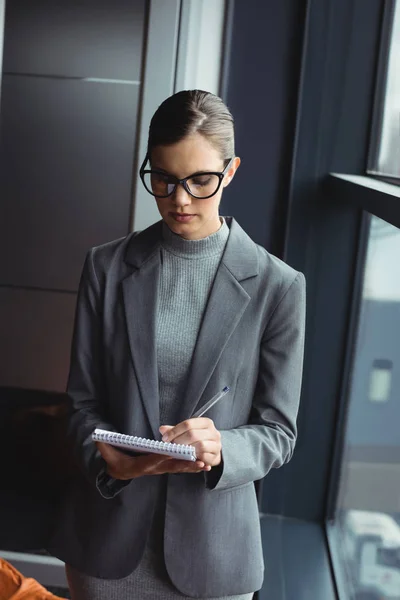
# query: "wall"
70, 92
70, 95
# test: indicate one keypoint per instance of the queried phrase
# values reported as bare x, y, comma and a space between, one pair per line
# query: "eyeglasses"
199, 185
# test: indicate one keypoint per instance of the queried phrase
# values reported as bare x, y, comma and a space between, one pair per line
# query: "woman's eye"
201, 181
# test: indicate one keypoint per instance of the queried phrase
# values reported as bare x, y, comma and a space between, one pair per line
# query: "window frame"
330, 196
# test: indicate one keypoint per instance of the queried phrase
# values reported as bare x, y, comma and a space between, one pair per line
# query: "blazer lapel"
226, 304
140, 291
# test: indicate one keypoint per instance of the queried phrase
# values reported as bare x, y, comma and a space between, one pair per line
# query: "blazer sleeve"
250, 451
86, 385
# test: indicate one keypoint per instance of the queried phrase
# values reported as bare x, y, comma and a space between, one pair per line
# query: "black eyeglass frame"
183, 181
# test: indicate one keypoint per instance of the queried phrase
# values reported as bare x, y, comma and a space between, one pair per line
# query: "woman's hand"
200, 433
122, 466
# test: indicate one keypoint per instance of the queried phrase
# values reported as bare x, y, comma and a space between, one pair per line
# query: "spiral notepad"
138, 444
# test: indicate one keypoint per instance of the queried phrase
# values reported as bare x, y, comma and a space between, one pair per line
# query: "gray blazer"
251, 339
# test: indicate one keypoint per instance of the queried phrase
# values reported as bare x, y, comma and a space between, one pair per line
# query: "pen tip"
226, 388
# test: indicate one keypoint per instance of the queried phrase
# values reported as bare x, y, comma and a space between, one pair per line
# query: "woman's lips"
182, 218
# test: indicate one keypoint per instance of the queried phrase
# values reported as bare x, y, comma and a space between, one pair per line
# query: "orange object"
14, 586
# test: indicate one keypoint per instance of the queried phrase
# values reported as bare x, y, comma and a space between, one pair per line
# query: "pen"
211, 403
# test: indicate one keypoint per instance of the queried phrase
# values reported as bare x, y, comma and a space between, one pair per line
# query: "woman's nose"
181, 197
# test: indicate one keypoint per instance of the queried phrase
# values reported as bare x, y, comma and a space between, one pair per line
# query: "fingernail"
165, 438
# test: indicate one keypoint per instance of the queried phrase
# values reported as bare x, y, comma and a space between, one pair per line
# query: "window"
385, 158
336, 224
368, 511
380, 381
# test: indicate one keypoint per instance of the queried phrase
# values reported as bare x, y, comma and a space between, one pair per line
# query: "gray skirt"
149, 580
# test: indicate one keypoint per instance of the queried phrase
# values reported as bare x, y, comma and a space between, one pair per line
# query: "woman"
166, 318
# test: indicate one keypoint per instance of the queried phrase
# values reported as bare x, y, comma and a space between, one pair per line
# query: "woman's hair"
189, 112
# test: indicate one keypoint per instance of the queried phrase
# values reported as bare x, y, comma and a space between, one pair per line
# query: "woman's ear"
231, 172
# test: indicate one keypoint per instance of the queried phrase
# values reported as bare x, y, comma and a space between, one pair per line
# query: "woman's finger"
108, 452
207, 447
192, 436
165, 428
207, 450
188, 425
181, 466
123, 466
211, 460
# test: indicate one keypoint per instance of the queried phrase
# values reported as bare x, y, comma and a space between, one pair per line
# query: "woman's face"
193, 154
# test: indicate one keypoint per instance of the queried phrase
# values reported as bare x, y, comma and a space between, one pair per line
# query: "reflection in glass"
380, 381
387, 159
369, 497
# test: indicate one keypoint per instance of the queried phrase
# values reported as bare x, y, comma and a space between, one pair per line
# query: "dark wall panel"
36, 329
67, 142
93, 38
66, 156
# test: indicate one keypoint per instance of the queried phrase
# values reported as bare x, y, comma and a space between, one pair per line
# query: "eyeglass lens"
199, 186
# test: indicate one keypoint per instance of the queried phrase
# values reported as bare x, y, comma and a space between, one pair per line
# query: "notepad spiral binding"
131, 442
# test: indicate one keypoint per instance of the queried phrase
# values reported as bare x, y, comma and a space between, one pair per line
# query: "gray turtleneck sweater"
187, 274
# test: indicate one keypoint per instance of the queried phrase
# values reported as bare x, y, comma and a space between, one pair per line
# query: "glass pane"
387, 158
369, 497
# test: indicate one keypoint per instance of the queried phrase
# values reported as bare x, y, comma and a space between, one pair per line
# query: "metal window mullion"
158, 79
2, 22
